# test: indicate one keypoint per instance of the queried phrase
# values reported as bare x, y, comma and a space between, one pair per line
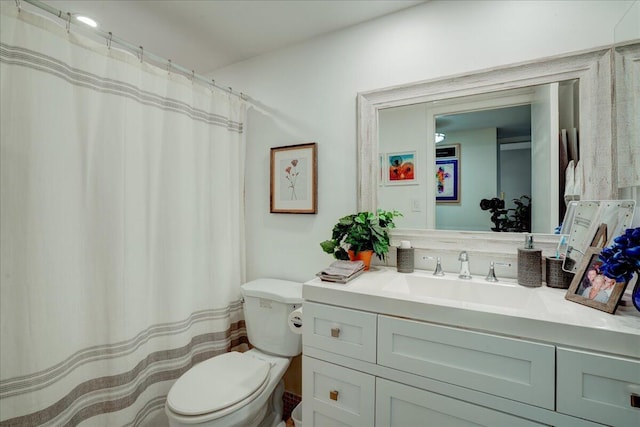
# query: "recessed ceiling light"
86, 20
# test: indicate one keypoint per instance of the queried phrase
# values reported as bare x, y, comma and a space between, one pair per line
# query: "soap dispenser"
529, 264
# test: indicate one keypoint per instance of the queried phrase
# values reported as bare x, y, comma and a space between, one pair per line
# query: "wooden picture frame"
401, 168
294, 179
584, 284
448, 181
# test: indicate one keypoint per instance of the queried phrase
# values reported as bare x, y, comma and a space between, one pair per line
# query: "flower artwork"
294, 177
447, 181
291, 175
401, 168
441, 176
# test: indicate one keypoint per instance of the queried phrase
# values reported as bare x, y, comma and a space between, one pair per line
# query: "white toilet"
243, 389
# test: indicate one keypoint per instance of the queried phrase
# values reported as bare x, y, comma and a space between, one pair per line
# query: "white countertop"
541, 314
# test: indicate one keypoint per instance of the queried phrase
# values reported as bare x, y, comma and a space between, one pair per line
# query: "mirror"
591, 72
493, 140
596, 223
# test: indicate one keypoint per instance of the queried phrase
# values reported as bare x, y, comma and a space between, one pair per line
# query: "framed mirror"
590, 72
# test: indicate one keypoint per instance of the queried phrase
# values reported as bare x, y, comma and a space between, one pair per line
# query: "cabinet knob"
635, 400
335, 332
333, 395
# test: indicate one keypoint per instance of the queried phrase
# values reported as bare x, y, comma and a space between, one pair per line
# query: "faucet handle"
438, 270
491, 276
464, 256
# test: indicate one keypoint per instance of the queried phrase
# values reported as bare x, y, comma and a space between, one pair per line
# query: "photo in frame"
592, 288
294, 179
447, 181
401, 168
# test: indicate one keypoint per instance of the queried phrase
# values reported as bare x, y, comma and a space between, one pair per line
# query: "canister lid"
283, 291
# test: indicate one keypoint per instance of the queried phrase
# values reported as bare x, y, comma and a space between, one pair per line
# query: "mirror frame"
592, 68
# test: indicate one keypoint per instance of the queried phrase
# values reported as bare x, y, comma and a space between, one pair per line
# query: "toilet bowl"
243, 389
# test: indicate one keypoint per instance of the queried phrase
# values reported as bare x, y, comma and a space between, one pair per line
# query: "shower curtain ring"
193, 76
141, 54
109, 39
68, 22
168, 66
18, 5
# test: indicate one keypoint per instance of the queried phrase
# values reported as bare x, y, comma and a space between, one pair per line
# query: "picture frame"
582, 289
448, 180
294, 179
401, 168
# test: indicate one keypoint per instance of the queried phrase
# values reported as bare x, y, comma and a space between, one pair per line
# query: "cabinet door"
506, 367
598, 387
336, 396
339, 330
398, 405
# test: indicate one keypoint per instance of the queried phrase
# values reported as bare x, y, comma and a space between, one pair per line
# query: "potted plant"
358, 236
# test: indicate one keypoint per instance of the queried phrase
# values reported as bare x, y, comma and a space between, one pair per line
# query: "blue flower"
622, 258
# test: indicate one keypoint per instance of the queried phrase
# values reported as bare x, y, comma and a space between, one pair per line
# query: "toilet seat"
218, 385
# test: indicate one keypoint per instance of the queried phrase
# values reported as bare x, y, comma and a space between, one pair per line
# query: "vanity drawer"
506, 367
399, 405
336, 396
338, 330
598, 387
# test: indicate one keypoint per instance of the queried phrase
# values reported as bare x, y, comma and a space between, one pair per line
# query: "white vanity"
393, 349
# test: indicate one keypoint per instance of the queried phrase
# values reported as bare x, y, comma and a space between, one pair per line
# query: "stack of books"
341, 271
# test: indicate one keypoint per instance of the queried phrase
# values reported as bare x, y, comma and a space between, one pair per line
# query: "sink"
476, 292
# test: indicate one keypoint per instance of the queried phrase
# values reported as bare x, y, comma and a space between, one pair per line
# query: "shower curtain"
121, 228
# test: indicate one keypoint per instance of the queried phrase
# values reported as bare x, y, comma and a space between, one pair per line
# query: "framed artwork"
294, 179
401, 168
448, 181
448, 151
592, 288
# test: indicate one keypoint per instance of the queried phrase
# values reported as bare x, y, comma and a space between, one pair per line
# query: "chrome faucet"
464, 266
438, 270
491, 276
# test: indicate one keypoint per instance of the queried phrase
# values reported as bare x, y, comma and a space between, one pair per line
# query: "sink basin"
449, 289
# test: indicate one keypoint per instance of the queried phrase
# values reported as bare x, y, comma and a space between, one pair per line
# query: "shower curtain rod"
139, 50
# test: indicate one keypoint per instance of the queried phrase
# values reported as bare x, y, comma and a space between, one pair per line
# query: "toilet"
243, 389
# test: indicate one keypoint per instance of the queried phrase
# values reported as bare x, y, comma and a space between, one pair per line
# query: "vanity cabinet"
367, 369
599, 387
400, 405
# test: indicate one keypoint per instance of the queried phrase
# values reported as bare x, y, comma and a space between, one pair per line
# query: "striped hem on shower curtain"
142, 363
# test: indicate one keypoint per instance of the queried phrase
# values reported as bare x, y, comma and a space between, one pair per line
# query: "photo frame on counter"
294, 179
592, 288
401, 168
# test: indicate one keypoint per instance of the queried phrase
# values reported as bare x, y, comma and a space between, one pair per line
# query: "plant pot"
364, 256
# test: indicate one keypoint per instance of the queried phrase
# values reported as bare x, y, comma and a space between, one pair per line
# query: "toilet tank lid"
279, 290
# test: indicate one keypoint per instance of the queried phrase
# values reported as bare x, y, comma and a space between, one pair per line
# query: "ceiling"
511, 122
204, 35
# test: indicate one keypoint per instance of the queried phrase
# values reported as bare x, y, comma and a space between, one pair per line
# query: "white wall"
405, 129
479, 180
307, 93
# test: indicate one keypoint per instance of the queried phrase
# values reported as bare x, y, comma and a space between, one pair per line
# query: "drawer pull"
635, 400
335, 332
333, 395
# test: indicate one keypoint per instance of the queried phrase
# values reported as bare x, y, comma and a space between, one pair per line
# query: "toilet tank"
267, 304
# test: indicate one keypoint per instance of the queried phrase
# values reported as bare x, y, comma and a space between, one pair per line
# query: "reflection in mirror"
596, 223
501, 145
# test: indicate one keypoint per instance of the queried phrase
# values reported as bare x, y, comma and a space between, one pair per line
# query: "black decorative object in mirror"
516, 219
